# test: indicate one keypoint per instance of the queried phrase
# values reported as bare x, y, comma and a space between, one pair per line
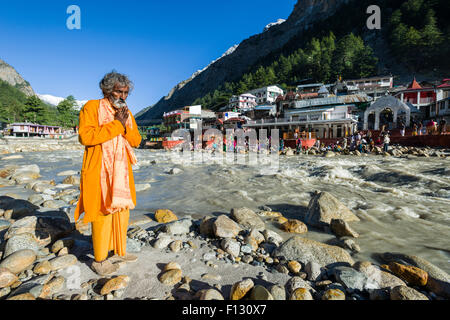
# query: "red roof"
414, 85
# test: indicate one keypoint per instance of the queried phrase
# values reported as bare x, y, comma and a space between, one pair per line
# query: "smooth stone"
52, 287
171, 266
36, 199
294, 266
260, 293
61, 243
209, 294
162, 241
305, 250
165, 216
24, 296
116, 283
171, 277
301, 294
176, 245
43, 268
181, 226
54, 204
333, 294
277, 292
247, 218
240, 289
63, 262
383, 279
19, 261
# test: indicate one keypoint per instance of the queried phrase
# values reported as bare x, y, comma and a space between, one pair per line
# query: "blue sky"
157, 43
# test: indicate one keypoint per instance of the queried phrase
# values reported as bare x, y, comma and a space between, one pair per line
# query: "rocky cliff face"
11, 76
233, 65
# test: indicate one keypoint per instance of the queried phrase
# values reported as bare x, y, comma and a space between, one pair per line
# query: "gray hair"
111, 79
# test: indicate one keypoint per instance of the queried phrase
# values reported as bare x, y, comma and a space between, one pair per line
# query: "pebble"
171, 277
333, 294
294, 266
240, 289
63, 262
260, 293
113, 284
301, 294
165, 216
294, 226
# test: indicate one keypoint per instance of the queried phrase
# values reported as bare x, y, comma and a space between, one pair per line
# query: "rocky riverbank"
14, 145
46, 255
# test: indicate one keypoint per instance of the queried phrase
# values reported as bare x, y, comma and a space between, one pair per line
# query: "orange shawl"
114, 180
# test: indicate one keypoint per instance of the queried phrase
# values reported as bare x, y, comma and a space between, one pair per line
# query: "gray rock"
406, 293
297, 282
314, 271
246, 248
231, 246
272, 237
323, 207
206, 226
247, 218
162, 241
4, 224
36, 199
209, 256
181, 226
133, 246
306, 250
63, 262
20, 242
353, 280
277, 292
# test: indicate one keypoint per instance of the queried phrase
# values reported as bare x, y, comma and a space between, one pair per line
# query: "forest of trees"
416, 32
15, 106
322, 60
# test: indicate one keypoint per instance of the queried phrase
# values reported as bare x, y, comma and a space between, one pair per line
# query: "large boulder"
323, 207
306, 250
247, 218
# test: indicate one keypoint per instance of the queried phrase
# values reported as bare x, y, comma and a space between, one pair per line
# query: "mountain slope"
249, 51
11, 76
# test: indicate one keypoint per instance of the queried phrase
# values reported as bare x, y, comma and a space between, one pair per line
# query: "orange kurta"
92, 135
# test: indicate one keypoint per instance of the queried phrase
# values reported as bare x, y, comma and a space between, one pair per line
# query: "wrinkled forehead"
120, 87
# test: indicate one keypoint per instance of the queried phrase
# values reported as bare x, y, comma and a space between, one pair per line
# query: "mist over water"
403, 203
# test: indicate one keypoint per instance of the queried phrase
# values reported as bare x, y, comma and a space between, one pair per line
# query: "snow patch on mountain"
54, 101
270, 25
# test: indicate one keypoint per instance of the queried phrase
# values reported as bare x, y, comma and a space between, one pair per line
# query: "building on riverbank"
27, 129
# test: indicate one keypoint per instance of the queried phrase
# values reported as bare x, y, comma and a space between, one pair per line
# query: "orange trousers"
109, 232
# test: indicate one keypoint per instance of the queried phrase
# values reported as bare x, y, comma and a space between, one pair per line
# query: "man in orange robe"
108, 131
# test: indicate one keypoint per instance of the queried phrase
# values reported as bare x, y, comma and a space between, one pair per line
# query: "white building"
243, 101
266, 95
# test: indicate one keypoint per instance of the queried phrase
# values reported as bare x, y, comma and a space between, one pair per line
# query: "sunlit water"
403, 204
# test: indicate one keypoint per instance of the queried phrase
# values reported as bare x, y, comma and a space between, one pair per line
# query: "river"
403, 203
